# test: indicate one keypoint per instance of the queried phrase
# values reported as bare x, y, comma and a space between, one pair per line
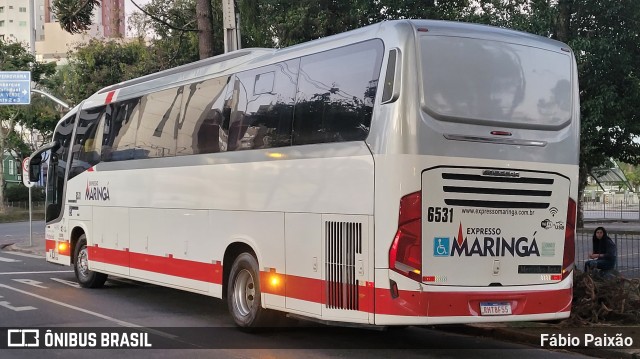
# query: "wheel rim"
83, 263
244, 291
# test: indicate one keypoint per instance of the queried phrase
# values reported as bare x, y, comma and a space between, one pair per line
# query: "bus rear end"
484, 181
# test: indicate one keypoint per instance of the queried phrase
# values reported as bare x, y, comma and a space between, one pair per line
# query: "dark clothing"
599, 264
606, 249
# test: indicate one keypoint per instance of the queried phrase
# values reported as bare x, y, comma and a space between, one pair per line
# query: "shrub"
20, 193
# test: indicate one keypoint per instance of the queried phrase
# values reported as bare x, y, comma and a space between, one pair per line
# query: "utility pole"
231, 23
32, 28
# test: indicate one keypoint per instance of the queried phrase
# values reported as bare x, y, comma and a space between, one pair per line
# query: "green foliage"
604, 36
274, 23
99, 64
602, 33
632, 173
74, 15
20, 193
39, 115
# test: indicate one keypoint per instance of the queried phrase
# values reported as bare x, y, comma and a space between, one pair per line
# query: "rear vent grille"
343, 242
497, 191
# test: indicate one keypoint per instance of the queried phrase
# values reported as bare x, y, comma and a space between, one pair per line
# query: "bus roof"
257, 57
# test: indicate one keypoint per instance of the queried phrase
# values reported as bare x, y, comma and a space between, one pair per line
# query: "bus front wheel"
87, 278
243, 295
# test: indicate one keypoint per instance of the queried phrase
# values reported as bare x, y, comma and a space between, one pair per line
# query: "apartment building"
15, 22
108, 22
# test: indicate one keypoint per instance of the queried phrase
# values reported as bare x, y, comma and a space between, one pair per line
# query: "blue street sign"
15, 87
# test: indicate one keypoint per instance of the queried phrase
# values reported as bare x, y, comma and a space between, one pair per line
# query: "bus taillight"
568, 257
405, 254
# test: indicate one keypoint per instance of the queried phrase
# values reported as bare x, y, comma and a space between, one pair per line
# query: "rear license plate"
495, 308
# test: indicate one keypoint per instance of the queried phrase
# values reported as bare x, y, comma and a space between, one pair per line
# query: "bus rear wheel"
86, 278
244, 295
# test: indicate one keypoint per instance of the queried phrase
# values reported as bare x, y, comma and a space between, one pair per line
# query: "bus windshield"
495, 83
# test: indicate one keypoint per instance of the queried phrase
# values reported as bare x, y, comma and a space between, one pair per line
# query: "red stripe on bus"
49, 244
62, 247
206, 272
109, 256
109, 97
440, 304
408, 303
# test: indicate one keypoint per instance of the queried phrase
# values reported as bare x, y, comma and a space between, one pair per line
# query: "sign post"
29, 185
15, 87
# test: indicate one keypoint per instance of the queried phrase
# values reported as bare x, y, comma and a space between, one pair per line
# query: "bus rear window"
495, 83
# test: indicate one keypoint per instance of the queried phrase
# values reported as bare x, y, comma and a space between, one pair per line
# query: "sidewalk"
37, 247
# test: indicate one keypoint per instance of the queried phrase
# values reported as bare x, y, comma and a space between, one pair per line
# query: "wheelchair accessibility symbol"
441, 246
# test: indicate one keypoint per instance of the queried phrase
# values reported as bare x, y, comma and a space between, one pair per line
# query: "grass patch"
21, 215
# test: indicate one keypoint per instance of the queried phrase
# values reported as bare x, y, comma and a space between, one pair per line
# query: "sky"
129, 8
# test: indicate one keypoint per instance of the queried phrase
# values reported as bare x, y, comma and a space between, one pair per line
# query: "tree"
14, 57
174, 38
604, 36
99, 64
74, 15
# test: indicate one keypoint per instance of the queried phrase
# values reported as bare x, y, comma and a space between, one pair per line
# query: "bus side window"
336, 91
262, 107
118, 142
86, 152
200, 127
156, 137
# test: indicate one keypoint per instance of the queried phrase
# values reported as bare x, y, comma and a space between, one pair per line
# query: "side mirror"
36, 159
34, 171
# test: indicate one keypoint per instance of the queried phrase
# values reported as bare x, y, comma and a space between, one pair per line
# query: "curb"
512, 334
14, 247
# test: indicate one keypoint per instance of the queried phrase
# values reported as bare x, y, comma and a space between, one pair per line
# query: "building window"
41, 37
22, 9
22, 24
1, 23
1, 9
12, 168
10, 21
10, 7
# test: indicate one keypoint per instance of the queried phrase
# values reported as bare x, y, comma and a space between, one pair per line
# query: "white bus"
409, 172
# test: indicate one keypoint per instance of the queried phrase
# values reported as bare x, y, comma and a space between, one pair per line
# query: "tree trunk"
564, 20
205, 28
582, 183
4, 135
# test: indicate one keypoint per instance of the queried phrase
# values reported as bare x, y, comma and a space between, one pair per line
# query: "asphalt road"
37, 295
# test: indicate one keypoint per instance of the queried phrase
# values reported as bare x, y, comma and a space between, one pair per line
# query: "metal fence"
611, 209
24, 205
628, 252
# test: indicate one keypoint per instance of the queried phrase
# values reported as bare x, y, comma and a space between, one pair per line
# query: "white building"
15, 22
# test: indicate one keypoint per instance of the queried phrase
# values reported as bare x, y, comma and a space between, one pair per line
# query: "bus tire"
244, 295
86, 278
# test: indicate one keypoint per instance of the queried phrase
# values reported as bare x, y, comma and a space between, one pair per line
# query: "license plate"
495, 308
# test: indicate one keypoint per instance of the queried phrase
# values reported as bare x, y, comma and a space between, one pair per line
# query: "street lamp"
50, 96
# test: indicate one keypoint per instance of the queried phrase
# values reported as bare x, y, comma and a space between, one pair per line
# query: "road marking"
32, 282
41, 272
10, 260
16, 309
102, 316
25, 255
67, 282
